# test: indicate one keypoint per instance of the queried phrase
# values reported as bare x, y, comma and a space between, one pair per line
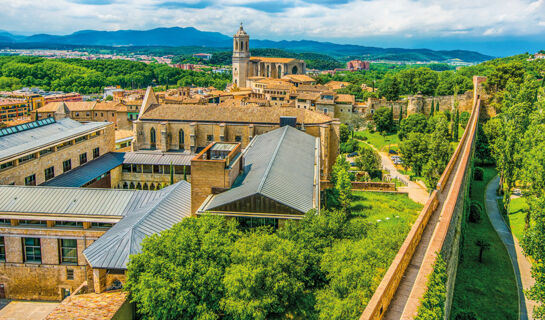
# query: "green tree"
266, 279
389, 88
415, 122
369, 160
464, 118
432, 306
383, 119
438, 154
185, 265
344, 132
415, 152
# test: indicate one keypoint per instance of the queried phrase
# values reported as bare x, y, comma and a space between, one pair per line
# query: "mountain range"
184, 37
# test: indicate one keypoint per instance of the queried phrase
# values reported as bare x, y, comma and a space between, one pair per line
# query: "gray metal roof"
74, 201
279, 165
112, 250
79, 176
159, 158
41, 137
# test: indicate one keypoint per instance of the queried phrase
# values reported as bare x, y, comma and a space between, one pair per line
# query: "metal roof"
79, 176
159, 158
279, 165
43, 136
112, 250
73, 201
26, 126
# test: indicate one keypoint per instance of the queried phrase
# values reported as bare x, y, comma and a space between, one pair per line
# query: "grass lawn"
379, 141
516, 217
488, 288
389, 208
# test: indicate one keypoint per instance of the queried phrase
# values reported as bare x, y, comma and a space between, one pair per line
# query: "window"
80, 139
113, 114
101, 225
181, 139
46, 151
152, 139
30, 180
87, 114
96, 153
64, 145
68, 251
82, 158
38, 223
66, 165
27, 158
5, 222
49, 173
69, 274
210, 138
126, 168
147, 168
325, 110
6, 165
2, 249
32, 250
238, 138
69, 224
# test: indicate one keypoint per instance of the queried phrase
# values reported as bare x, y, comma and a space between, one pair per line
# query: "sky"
498, 28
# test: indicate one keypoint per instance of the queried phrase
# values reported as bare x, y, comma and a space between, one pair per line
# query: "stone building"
169, 127
245, 66
35, 152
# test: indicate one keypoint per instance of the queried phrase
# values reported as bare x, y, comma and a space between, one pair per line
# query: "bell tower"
241, 57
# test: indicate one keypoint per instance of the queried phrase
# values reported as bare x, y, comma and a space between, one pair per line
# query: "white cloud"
303, 19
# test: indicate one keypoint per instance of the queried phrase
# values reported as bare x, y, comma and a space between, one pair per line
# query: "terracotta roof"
308, 96
72, 106
345, 98
273, 59
89, 306
106, 106
299, 78
219, 113
312, 88
7, 102
335, 85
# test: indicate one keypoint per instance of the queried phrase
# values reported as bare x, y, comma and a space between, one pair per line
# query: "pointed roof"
62, 108
149, 99
112, 250
241, 32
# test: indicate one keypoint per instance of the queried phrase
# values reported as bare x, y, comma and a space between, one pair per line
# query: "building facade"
35, 152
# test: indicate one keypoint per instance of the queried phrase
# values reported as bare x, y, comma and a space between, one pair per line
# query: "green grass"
516, 218
488, 288
379, 141
389, 208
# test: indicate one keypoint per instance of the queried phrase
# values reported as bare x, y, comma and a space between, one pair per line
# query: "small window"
102, 225
69, 224
49, 173
69, 274
2, 249
96, 153
82, 158
66, 165
30, 180
68, 251
6, 165
210, 137
32, 250
238, 138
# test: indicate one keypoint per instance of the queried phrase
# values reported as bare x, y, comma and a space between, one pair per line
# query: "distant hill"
183, 37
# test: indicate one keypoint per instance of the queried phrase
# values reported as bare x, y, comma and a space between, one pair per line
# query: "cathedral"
245, 67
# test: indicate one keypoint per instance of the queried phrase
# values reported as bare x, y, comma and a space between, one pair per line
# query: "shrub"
466, 315
478, 174
475, 213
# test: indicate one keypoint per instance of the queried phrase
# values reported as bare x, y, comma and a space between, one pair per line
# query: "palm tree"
483, 246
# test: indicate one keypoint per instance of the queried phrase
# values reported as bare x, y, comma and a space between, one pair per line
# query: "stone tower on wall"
241, 57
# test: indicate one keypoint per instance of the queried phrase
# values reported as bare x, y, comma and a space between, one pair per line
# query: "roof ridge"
269, 166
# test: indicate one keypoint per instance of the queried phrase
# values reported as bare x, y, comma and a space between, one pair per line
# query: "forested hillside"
85, 76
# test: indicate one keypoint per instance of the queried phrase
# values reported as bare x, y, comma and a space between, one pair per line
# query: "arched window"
181, 139
131, 186
294, 70
125, 185
145, 187
268, 71
152, 186
139, 186
236, 45
152, 138
279, 74
242, 46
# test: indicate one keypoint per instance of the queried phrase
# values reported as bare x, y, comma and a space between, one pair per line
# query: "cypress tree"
171, 174
432, 108
400, 114
437, 107
185, 174
456, 125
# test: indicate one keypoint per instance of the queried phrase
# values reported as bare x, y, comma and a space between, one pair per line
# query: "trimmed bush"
475, 213
478, 174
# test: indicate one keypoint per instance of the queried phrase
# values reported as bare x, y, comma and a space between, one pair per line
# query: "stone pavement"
27, 310
520, 263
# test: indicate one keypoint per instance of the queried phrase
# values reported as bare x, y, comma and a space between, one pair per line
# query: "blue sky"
498, 27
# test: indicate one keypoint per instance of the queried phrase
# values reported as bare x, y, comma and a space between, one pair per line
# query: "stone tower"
241, 57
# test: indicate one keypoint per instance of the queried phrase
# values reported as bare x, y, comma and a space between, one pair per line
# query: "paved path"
401, 297
520, 264
416, 192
